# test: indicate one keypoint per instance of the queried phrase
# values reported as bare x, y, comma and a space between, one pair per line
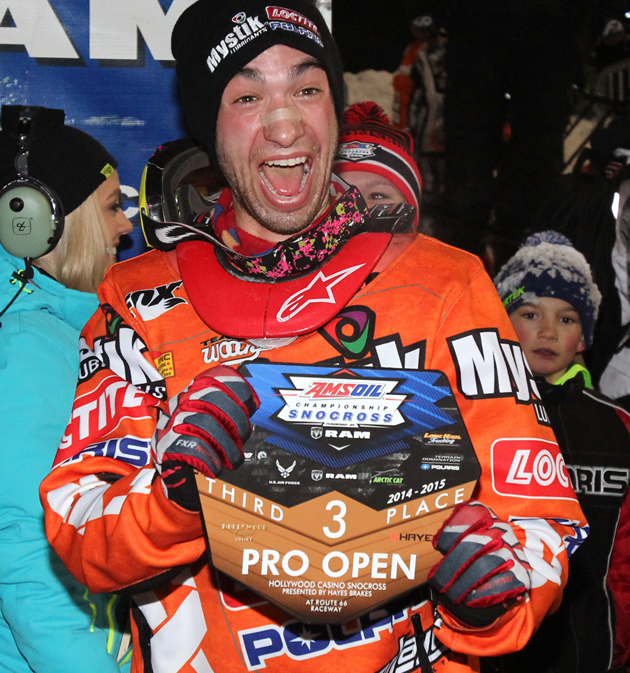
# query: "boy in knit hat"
549, 293
547, 281
378, 159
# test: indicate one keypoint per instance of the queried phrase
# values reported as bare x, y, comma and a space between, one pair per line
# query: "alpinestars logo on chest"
318, 291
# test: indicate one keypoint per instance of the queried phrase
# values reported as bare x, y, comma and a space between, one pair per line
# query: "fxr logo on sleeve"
529, 468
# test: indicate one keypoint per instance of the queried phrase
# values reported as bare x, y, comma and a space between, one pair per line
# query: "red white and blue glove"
205, 429
484, 570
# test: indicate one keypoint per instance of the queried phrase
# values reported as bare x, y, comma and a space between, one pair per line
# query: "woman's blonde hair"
83, 255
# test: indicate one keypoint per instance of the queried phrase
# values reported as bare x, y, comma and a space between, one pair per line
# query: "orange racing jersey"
108, 516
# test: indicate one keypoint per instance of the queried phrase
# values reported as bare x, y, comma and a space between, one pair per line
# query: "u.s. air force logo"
343, 416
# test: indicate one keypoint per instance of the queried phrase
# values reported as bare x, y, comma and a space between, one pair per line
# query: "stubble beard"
277, 222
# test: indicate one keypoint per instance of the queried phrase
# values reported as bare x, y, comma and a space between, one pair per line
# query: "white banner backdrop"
108, 64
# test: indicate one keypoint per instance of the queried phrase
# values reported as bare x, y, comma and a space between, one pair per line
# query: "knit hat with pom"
368, 142
547, 265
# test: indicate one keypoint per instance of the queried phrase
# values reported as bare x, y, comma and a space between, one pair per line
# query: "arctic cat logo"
152, 303
247, 28
488, 366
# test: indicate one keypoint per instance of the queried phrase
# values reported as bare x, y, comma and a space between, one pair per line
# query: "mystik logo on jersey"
489, 367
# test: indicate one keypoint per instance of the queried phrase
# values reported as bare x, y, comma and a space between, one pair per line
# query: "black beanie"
214, 39
69, 161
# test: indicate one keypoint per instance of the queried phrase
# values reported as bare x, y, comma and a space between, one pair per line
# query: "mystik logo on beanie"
241, 33
248, 28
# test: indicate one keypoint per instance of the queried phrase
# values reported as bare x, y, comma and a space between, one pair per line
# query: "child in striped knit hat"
377, 158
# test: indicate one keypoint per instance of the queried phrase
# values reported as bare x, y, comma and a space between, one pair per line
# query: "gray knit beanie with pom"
547, 265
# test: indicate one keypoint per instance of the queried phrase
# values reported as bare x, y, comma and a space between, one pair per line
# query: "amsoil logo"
530, 468
342, 402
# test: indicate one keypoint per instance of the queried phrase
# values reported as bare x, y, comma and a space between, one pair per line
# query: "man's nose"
283, 126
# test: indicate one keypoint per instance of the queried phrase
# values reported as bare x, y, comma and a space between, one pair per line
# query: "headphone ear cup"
31, 218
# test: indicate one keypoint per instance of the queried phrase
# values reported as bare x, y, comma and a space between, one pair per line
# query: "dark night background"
373, 35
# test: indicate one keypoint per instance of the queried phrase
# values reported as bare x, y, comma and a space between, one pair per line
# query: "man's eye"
309, 91
377, 196
248, 98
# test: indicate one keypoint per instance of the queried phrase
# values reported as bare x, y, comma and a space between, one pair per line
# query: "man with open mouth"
286, 267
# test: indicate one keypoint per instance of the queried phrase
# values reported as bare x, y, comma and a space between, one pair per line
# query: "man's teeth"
287, 162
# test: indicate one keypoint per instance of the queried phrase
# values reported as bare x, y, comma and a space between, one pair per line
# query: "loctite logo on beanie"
285, 14
293, 21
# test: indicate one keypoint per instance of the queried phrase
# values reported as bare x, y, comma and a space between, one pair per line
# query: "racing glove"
205, 428
484, 570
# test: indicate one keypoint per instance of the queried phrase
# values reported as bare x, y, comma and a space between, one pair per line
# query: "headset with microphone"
31, 215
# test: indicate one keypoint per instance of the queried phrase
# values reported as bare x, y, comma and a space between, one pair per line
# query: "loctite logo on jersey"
100, 410
530, 468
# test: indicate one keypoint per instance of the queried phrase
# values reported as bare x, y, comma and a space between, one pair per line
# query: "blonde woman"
48, 621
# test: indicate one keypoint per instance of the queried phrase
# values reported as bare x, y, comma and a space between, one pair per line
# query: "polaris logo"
247, 29
596, 480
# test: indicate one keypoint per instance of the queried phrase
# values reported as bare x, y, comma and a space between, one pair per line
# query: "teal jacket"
48, 621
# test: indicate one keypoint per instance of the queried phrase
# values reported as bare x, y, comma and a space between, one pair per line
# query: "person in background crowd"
268, 109
49, 622
378, 159
549, 293
510, 66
